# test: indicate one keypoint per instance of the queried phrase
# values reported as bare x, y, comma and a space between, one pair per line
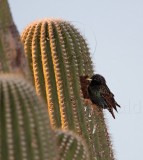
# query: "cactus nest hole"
84, 86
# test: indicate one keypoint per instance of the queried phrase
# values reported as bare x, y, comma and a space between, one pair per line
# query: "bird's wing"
109, 97
112, 95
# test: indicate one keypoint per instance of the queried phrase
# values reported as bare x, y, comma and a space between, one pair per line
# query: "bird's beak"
89, 79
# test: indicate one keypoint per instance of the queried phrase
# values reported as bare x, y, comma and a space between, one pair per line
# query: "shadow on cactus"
58, 55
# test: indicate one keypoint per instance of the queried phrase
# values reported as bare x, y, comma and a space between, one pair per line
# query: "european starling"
100, 94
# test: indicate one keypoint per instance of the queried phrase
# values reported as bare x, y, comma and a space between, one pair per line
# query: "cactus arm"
5, 15
12, 57
26, 131
71, 146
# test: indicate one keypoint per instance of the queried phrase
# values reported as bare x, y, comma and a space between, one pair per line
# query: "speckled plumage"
100, 94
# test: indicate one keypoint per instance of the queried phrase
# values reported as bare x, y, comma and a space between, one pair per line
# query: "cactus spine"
58, 55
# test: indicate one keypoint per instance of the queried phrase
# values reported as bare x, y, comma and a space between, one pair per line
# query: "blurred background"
114, 31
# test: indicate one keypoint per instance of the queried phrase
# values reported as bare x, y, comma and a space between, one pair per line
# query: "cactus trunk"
58, 55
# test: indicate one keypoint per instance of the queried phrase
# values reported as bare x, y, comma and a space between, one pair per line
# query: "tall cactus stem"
58, 55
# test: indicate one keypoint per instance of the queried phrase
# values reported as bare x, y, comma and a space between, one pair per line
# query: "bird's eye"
96, 81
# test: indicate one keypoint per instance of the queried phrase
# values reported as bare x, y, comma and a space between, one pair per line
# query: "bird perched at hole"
100, 94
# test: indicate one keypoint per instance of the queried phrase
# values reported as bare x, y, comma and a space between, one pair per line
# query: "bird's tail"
117, 104
112, 113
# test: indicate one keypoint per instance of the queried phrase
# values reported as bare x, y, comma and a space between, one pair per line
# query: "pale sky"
114, 32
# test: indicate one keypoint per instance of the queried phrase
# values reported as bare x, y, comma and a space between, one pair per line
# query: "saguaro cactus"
11, 50
25, 131
58, 55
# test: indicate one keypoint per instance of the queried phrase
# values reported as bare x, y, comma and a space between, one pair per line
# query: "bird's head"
97, 79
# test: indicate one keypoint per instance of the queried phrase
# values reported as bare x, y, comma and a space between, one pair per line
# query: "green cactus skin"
12, 58
71, 146
25, 132
58, 55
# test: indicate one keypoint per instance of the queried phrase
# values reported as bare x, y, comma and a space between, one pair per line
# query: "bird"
100, 94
